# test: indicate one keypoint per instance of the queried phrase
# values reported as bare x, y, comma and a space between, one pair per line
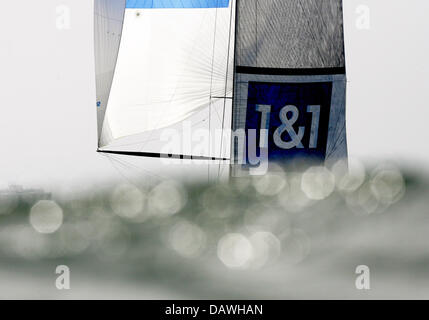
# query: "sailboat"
241, 81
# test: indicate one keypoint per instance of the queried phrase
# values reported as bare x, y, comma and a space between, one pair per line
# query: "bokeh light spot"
318, 183
46, 216
235, 251
187, 239
167, 198
127, 201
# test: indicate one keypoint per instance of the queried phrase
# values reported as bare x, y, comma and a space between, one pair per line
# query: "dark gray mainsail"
290, 34
290, 57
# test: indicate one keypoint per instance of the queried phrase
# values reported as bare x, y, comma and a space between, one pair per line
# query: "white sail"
108, 21
175, 63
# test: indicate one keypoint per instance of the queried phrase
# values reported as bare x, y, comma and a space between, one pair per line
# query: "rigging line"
116, 167
211, 86
223, 170
145, 176
129, 165
234, 77
226, 83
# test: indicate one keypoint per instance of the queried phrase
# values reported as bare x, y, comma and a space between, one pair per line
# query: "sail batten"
291, 71
161, 155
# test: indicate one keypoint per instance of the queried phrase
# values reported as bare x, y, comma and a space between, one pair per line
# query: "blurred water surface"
284, 235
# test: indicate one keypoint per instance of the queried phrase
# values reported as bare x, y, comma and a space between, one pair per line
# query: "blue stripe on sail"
158, 4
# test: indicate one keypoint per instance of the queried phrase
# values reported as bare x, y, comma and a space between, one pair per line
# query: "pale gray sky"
47, 101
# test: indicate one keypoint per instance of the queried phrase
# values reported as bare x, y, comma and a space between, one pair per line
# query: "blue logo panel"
295, 115
165, 4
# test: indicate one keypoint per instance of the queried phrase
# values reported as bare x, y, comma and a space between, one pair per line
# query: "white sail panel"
173, 64
108, 21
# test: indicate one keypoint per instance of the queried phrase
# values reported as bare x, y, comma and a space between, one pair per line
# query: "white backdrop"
47, 101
